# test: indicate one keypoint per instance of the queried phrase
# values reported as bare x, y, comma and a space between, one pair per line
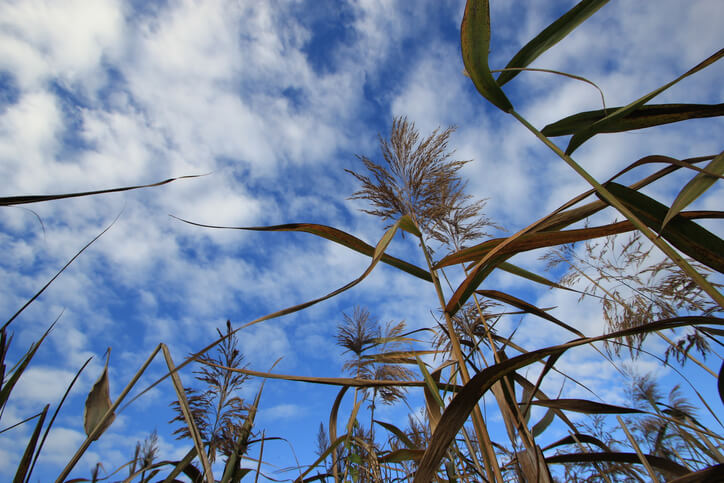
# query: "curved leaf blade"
337, 236
694, 240
458, 411
21, 200
550, 36
475, 45
620, 457
585, 406
641, 118
696, 187
97, 405
530, 308
584, 134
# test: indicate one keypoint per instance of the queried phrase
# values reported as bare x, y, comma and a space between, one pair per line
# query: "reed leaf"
400, 455
643, 117
20, 200
527, 307
397, 432
694, 188
620, 457
475, 44
707, 475
22, 472
689, 237
337, 236
465, 401
550, 36
9, 384
186, 410
577, 438
585, 406
97, 405
585, 133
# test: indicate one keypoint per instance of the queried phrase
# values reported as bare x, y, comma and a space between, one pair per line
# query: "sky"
272, 102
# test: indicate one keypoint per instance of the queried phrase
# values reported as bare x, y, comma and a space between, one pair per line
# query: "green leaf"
582, 135
397, 432
475, 45
694, 188
543, 424
9, 384
24, 465
689, 237
643, 117
430, 383
550, 36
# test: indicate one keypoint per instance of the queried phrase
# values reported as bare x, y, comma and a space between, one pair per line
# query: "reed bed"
417, 188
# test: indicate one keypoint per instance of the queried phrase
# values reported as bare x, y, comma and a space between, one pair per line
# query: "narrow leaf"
586, 133
694, 188
530, 308
20, 200
533, 277
707, 475
397, 432
462, 405
475, 44
97, 405
619, 457
643, 117
585, 406
188, 416
543, 424
579, 438
9, 384
550, 36
334, 235
400, 455
689, 237
24, 464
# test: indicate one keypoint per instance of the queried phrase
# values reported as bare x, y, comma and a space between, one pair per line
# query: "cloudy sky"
273, 100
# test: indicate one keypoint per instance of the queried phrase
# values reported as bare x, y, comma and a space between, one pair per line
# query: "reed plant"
660, 279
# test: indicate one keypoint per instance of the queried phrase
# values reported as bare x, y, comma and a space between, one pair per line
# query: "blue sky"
275, 99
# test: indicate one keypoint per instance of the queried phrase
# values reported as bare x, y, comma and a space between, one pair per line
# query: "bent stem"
613, 201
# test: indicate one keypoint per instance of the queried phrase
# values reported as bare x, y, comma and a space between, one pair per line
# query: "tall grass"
418, 187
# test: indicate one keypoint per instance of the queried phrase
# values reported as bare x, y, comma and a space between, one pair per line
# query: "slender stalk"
490, 461
613, 201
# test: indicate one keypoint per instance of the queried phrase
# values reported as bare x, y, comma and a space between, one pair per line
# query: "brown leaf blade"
585, 406
20, 200
458, 411
620, 457
337, 236
97, 405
